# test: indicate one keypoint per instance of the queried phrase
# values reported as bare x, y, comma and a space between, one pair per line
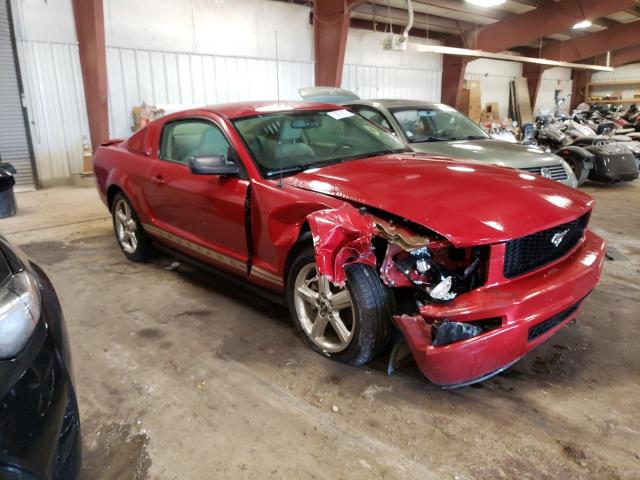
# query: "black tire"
143, 248
370, 314
580, 170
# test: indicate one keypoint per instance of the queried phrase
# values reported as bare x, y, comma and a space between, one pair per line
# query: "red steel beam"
587, 46
552, 17
624, 56
578, 89
89, 19
453, 67
330, 29
533, 74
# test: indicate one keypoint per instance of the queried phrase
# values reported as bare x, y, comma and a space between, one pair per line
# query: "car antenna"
281, 181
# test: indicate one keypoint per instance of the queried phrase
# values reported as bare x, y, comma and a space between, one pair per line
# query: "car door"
202, 215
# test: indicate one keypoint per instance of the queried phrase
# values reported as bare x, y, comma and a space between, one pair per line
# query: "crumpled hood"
493, 151
469, 203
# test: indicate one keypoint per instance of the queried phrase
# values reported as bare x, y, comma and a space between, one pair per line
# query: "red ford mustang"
474, 264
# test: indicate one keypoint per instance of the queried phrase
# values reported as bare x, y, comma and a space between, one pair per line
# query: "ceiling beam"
625, 56
380, 27
587, 46
383, 13
545, 20
461, 6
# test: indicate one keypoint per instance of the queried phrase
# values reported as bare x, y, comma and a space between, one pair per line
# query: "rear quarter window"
137, 143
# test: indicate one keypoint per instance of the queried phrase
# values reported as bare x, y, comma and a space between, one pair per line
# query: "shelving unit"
619, 83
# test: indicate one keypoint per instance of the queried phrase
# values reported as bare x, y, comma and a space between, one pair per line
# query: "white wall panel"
494, 77
237, 28
369, 81
621, 74
372, 72
165, 77
56, 106
554, 79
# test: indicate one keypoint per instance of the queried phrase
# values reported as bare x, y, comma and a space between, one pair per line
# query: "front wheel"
580, 170
349, 324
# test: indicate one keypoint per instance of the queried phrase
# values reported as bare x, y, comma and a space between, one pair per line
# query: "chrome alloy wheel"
324, 311
126, 228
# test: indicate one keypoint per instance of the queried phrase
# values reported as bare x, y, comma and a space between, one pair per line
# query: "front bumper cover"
550, 294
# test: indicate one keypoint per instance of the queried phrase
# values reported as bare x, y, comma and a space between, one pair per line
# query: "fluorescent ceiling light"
582, 25
464, 52
486, 3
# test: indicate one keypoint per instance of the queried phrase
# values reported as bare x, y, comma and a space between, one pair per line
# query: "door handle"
158, 180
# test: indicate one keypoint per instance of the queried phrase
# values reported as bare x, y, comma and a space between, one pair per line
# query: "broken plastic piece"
446, 332
442, 291
400, 356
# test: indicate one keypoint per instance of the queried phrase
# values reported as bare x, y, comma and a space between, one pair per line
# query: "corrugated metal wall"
370, 81
56, 106
14, 146
164, 77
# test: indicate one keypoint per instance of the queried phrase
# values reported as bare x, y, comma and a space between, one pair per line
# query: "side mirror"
213, 165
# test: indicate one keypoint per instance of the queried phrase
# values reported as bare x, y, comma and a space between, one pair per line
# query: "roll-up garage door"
14, 141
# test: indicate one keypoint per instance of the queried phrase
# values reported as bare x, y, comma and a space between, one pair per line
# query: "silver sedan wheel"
126, 228
324, 311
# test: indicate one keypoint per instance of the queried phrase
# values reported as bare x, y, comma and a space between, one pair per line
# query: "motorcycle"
595, 157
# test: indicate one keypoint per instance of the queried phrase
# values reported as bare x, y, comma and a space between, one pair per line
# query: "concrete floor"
181, 376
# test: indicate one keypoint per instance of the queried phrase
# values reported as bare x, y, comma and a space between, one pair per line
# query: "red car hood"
469, 203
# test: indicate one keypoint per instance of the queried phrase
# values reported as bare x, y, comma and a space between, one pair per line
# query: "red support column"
89, 18
580, 80
453, 67
330, 30
533, 74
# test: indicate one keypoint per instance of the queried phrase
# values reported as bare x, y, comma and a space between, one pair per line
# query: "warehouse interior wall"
554, 79
167, 52
54, 92
625, 73
372, 72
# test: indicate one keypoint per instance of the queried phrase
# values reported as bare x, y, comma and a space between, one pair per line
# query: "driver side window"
184, 139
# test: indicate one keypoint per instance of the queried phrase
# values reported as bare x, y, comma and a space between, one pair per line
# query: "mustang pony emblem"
557, 238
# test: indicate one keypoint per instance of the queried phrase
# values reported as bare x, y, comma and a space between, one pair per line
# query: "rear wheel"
132, 239
349, 324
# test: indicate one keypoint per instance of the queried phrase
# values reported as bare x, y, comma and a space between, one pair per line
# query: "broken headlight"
19, 313
439, 275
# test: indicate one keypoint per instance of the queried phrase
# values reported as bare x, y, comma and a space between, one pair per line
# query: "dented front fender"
341, 236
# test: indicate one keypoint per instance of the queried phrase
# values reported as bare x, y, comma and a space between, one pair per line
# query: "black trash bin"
7, 195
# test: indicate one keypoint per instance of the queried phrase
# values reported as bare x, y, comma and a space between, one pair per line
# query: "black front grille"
547, 325
528, 253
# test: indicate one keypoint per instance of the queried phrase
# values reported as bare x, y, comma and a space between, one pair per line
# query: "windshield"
289, 142
437, 123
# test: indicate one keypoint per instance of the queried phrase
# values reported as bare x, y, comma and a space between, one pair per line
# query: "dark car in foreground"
473, 264
39, 422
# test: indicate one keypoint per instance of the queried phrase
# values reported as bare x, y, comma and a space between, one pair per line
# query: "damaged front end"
462, 318
419, 266
424, 262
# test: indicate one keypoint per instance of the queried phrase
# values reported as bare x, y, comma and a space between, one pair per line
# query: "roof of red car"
248, 109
